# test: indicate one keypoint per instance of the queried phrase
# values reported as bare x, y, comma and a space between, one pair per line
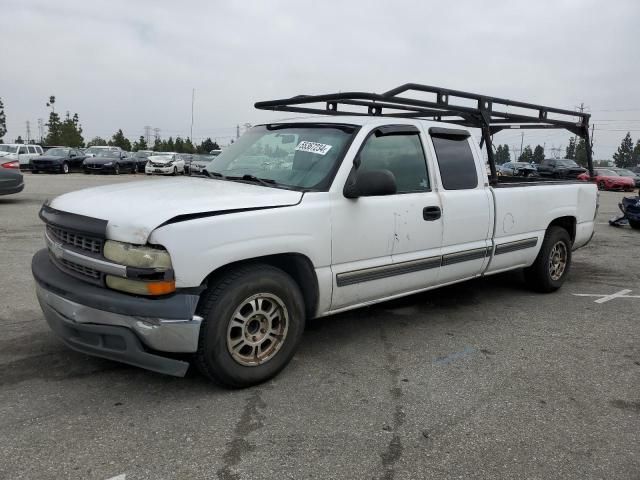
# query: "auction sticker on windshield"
313, 147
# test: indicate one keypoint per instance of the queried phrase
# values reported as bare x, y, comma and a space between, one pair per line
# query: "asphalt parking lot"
479, 380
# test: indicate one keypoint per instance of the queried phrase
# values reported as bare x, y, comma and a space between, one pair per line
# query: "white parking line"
606, 298
122, 476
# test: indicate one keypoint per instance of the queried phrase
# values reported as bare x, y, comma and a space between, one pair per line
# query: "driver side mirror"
371, 183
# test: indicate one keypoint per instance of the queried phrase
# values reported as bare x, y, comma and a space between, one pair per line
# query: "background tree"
157, 145
571, 148
188, 146
538, 154
624, 156
54, 135
97, 142
581, 153
71, 132
502, 154
636, 153
179, 144
18, 140
141, 144
3, 121
526, 155
119, 140
207, 145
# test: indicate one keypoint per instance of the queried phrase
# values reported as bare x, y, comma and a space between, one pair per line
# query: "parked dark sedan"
108, 161
58, 160
560, 168
141, 157
11, 180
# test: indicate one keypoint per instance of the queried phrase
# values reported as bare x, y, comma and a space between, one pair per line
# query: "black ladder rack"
487, 113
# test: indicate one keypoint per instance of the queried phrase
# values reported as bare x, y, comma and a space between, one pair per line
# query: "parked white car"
348, 211
21, 152
164, 163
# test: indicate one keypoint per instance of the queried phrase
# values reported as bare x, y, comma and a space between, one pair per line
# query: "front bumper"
109, 324
168, 170
48, 167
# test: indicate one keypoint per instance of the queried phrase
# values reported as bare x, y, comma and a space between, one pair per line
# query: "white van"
21, 152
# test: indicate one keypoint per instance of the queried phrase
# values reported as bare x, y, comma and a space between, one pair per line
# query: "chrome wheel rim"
257, 329
65, 168
558, 260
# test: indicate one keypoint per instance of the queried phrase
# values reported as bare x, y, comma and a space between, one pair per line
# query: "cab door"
466, 205
389, 244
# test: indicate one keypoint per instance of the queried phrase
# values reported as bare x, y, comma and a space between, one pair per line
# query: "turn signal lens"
139, 287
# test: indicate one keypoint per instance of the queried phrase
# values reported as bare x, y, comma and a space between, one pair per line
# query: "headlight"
108, 164
148, 163
148, 269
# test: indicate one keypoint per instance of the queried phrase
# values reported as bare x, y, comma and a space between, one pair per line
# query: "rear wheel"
253, 321
552, 264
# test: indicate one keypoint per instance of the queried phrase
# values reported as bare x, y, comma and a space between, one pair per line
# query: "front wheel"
65, 168
253, 322
601, 185
175, 171
550, 269
635, 224
116, 169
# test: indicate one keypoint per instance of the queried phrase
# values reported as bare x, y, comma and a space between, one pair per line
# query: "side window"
456, 162
22, 150
32, 149
402, 155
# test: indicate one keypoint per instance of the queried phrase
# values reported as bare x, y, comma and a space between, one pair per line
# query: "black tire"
116, 169
134, 168
86, 172
175, 171
634, 224
64, 168
218, 307
35, 171
539, 275
601, 185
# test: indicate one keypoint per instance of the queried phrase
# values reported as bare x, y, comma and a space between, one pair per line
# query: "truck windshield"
299, 156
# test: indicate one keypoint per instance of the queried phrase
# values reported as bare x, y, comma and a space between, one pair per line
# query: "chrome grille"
83, 242
81, 269
159, 165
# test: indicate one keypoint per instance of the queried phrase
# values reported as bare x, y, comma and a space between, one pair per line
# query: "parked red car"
609, 180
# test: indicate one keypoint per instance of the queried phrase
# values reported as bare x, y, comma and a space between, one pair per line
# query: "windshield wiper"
265, 182
213, 174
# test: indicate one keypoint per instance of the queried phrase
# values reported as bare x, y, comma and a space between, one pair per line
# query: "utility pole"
521, 143
237, 131
40, 129
147, 134
28, 132
193, 97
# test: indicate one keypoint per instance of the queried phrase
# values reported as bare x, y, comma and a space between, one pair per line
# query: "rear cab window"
456, 162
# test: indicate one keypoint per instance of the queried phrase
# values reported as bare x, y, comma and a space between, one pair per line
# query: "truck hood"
133, 210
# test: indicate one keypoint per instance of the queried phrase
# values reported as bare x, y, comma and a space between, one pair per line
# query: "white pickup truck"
300, 219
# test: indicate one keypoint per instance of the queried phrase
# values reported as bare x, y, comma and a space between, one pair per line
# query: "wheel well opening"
298, 266
568, 223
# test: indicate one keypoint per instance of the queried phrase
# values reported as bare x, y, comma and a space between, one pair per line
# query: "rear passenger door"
466, 205
387, 245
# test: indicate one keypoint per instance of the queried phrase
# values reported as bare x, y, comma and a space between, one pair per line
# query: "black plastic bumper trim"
113, 343
177, 306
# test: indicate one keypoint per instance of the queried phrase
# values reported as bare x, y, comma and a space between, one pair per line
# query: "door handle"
431, 213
